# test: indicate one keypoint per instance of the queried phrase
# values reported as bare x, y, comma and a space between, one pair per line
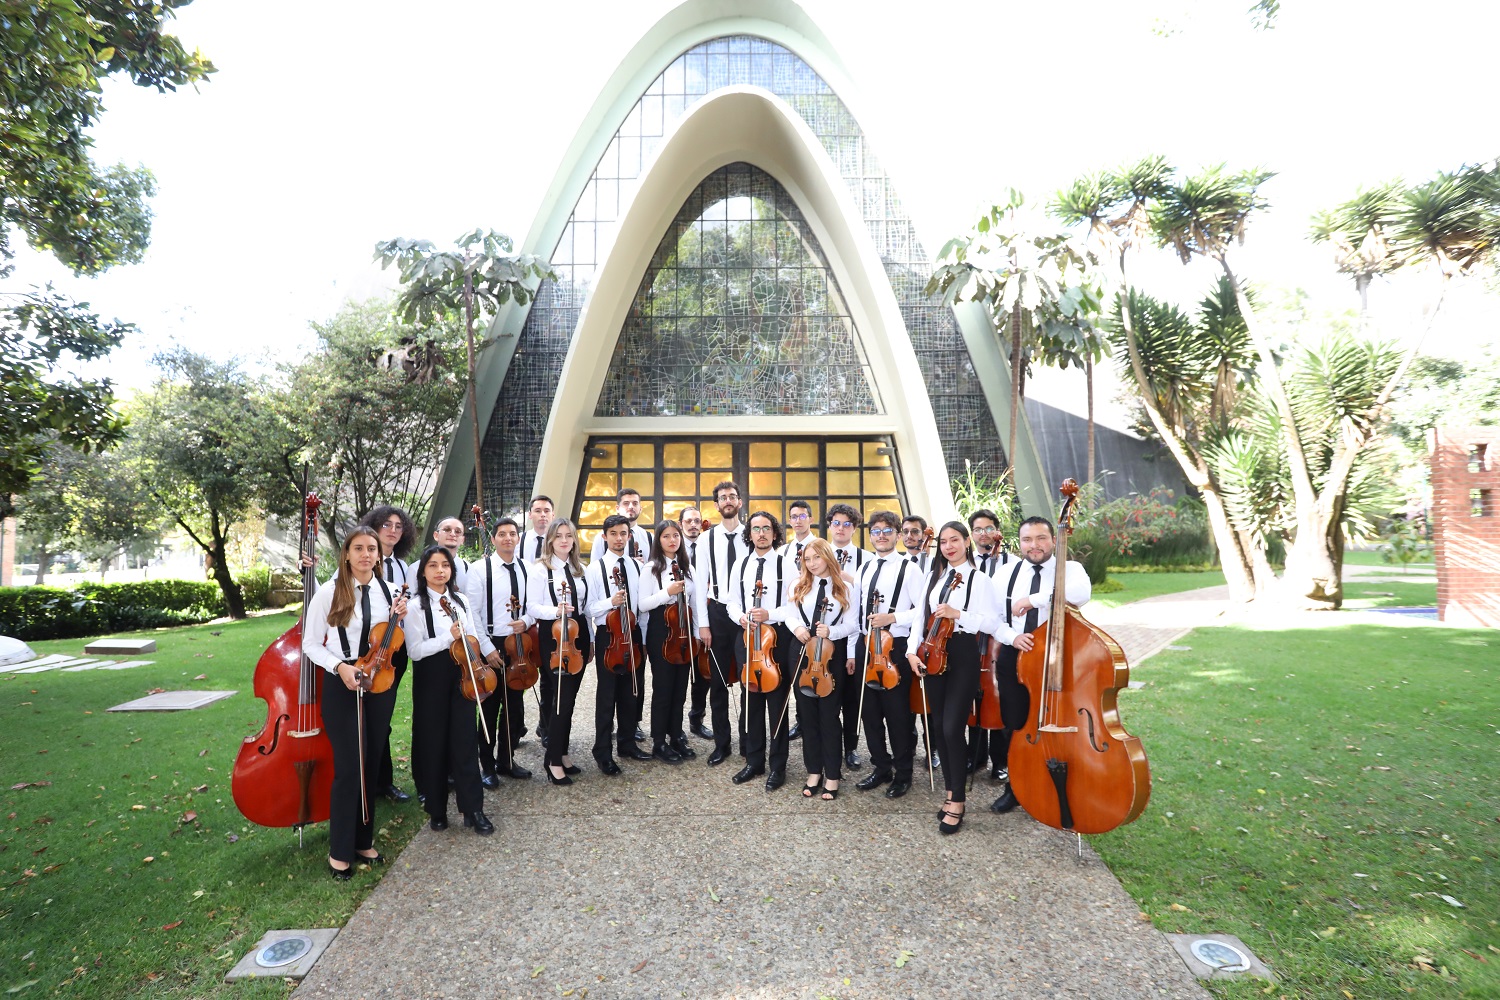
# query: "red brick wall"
1467, 547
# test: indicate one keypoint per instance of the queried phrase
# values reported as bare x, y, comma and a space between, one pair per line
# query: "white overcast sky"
330, 126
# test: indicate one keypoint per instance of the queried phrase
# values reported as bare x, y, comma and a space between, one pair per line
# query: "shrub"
255, 585
1153, 530
29, 613
1090, 545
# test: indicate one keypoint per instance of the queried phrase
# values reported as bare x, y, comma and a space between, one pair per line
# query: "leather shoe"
640, 735
719, 756
852, 761
480, 822
666, 754
572, 769
680, 746
438, 823
775, 779
630, 751
360, 859
795, 733
518, 772
702, 732
607, 765
490, 781
1005, 803
898, 788
998, 773
340, 874
745, 773
873, 780
396, 795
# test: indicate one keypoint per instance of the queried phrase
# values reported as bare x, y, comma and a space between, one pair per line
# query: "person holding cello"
1024, 603
556, 593
667, 583
887, 589
497, 593
335, 634
957, 605
821, 606
757, 589
443, 719
614, 580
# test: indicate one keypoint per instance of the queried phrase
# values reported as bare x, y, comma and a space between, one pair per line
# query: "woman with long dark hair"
547, 602
669, 681
394, 528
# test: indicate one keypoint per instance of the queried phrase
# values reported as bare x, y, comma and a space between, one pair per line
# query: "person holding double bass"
667, 583
820, 606
614, 580
1024, 603
443, 719
888, 586
757, 589
958, 600
497, 594
335, 634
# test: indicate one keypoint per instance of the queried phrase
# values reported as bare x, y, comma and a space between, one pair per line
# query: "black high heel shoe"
340, 874
948, 828
553, 779
360, 859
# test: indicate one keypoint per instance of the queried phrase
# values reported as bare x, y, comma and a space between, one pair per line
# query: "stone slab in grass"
1218, 956
127, 647
173, 701
267, 960
57, 658
124, 664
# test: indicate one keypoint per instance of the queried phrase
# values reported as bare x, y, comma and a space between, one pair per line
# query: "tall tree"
92, 503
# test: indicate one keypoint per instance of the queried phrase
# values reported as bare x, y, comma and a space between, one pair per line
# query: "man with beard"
718, 550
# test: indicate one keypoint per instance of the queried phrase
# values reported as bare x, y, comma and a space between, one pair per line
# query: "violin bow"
461, 619
865, 667
359, 725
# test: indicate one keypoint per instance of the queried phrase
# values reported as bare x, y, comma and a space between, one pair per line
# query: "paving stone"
129, 647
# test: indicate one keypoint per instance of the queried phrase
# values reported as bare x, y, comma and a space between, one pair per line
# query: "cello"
1073, 766
283, 775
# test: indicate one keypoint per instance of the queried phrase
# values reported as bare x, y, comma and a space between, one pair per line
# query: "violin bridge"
1057, 729
305, 734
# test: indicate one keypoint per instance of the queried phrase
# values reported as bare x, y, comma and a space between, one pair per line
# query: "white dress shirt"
544, 589
642, 542
654, 593
882, 574
842, 622
974, 596
714, 564
791, 555
854, 558
322, 643
394, 570
990, 563
1017, 584
489, 597
422, 642
602, 586
777, 590
921, 560
530, 547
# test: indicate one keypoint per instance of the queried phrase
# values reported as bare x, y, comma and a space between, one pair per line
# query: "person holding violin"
614, 578
667, 592
394, 528
718, 550
757, 590
335, 634
957, 601
691, 520
821, 607
887, 596
442, 718
497, 593
1024, 603
990, 556
799, 520
555, 595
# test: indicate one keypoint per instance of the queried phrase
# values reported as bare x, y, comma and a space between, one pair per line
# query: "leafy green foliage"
1405, 543
435, 279
1208, 211
976, 491
1156, 529
1448, 391
32, 613
94, 503
1453, 219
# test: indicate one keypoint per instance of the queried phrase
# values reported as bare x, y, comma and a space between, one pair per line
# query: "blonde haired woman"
547, 601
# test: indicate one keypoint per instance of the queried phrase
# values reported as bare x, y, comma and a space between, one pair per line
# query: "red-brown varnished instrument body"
816, 678
677, 646
761, 674
284, 774
989, 687
565, 654
520, 653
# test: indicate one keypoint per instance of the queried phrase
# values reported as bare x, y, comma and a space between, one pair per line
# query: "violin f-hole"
276, 738
1098, 745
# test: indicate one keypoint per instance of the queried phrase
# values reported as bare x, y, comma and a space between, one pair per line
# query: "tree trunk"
1015, 395
473, 396
1088, 377
234, 598
41, 566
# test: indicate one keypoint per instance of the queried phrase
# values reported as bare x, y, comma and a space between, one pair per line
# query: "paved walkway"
671, 881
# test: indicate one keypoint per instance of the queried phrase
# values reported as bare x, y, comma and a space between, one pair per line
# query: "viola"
933, 650
623, 654
476, 681
816, 679
283, 775
677, 647
565, 655
879, 671
520, 652
379, 664
761, 673
1073, 766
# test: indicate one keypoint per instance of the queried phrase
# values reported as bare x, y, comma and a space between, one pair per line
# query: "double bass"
1073, 766
283, 775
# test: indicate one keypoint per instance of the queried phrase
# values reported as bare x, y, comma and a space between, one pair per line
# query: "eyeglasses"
761, 529
985, 531
841, 524
882, 532
726, 495
796, 517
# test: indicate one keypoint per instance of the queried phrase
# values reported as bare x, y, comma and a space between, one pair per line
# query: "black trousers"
950, 696
822, 728
888, 712
443, 723
1015, 705
564, 692
770, 705
699, 686
616, 706
385, 775
722, 657
669, 685
347, 832
849, 709
505, 728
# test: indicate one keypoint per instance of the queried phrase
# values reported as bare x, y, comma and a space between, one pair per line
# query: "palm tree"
1359, 231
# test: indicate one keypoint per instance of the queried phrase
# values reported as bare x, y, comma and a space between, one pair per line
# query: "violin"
816, 679
933, 651
677, 647
565, 655
761, 673
476, 681
283, 775
988, 716
1073, 766
378, 665
879, 672
624, 650
520, 652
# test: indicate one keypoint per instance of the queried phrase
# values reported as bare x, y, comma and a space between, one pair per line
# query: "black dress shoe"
946, 828
666, 754
421, 799
873, 780
640, 735
998, 773
775, 779
632, 752
518, 772
489, 781
572, 769
702, 732
607, 765
1005, 803
396, 795
852, 761
553, 779
480, 822
719, 756
747, 772
360, 859
898, 788
340, 874
680, 747
795, 733
438, 823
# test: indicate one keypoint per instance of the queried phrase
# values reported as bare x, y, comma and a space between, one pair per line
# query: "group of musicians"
746, 570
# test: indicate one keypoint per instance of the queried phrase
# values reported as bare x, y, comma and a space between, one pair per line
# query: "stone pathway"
70, 664
671, 881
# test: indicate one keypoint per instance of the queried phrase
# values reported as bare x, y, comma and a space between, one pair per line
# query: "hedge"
29, 613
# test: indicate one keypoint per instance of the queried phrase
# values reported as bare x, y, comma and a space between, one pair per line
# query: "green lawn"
1322, 794
1137, 586
1415, 594
1373, 557
132, 872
